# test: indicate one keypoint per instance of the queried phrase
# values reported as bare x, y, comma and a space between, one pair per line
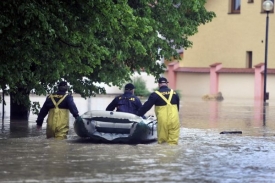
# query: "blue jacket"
155, 99
67, 103
125, 103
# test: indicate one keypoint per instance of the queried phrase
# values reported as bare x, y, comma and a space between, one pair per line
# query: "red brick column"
171, 75
259, 82
214, 78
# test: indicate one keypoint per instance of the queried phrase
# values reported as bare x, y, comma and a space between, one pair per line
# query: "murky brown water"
203, 155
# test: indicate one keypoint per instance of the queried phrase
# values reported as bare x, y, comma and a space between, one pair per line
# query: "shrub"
140, 87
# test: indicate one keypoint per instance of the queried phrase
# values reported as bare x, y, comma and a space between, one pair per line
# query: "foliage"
140, 87
89, 42
35, 107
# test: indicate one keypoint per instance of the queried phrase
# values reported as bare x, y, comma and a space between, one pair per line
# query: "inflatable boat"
118, 127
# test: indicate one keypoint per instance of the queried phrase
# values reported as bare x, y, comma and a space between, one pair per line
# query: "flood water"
203, 154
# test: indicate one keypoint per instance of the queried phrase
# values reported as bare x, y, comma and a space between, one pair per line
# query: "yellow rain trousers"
168, 121
58, 121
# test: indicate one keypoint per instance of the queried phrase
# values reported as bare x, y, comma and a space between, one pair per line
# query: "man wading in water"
59, 105
166, 103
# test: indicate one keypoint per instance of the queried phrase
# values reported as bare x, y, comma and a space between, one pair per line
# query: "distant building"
233, 47
236, 37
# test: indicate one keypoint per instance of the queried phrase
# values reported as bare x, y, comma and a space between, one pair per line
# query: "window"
249, 59
250, 1
263, 11
235, 6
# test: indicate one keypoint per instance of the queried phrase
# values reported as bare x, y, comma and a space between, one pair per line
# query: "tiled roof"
270, 71
236, 70
193, 69
222, 70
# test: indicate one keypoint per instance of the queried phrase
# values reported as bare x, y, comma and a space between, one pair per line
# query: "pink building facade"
215, 71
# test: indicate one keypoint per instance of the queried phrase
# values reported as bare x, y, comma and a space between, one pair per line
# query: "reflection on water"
203, 155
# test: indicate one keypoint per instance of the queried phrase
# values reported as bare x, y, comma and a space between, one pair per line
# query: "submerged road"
203, 154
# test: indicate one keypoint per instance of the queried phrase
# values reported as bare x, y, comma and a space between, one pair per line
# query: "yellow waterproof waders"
168, 121
58, 121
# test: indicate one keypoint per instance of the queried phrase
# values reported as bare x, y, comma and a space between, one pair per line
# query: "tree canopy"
90, 41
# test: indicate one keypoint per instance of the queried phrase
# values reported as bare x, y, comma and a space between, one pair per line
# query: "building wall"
229, 36
237, 85
270, 87
231, 85
193, 84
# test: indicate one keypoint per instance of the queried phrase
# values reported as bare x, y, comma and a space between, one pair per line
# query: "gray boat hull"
118, 127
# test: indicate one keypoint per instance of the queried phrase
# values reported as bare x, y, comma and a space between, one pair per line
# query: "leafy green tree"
86, 42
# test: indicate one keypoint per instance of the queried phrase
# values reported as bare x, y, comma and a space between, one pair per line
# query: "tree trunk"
20, 111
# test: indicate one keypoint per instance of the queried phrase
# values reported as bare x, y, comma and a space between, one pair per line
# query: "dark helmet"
63, 86
162, 80
129, 86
